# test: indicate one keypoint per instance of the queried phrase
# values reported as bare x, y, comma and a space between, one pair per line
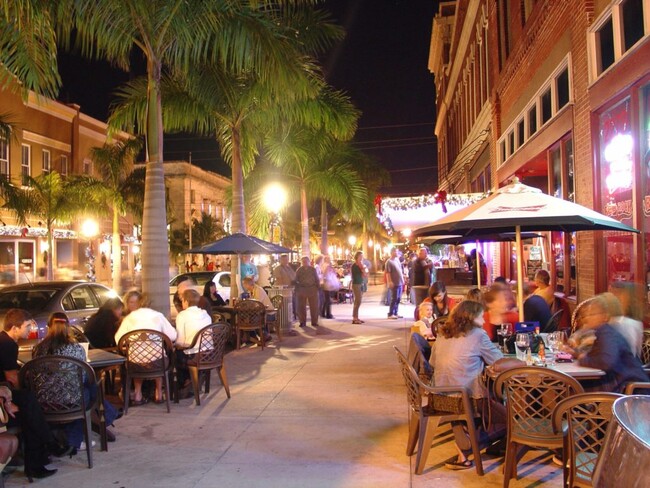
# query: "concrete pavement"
316, 410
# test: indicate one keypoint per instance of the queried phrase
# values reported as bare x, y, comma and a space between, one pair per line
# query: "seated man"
186, 284
38, 439
188, 323
256, 292
535, 308
544, 288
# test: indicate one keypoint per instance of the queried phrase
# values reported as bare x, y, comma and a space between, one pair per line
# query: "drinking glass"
522, 341
504, 331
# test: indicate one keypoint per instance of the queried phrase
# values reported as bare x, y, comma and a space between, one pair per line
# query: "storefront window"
645, 161
617, 177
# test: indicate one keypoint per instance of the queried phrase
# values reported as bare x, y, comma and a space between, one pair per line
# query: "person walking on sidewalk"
395, 282
307, 286
359, 273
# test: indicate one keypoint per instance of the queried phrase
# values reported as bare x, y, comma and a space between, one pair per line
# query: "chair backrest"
531, 395
587, 418
250, 313
211, 340
145, 346
645, 349
413, 389
277, 301
419, 352
58, 384
561, 303
553, 323
439, 322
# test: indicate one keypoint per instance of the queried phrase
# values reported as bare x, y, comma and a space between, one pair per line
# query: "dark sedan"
78, 299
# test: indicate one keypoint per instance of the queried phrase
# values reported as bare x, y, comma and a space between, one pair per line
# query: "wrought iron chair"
278, 304
424, 418
59, 382
149, 355
531, 396
645, 350
553, 323
250, 315
583, 419
211, 341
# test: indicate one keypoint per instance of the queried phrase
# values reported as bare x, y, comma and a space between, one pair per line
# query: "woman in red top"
496, 302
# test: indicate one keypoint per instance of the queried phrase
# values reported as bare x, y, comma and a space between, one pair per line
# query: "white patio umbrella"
518, 207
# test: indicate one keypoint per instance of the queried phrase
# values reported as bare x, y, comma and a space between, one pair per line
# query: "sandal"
456, 465
357, 321
137, 403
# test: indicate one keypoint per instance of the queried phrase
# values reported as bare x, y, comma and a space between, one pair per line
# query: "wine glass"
504, 331
522, 341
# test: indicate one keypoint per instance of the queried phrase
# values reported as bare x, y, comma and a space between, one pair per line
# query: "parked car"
220, 278
78, 299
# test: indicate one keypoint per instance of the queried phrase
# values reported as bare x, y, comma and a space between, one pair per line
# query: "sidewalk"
326, 410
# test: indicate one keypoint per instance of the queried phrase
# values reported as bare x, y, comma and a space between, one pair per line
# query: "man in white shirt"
189, 322
146, 318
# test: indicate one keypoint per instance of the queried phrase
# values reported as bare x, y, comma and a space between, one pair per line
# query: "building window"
511, 143
4, 158
504, 155
46, 161
64, 166
504, 29
520, 133
87, 167
620, 27
563, 89
532, 120
616, 151
192, 196
25, 164
547, 106
632, 22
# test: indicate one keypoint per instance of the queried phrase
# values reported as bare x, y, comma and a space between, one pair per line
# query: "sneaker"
398, 316
392, 317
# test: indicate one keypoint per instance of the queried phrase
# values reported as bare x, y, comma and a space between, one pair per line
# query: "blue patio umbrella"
239, 243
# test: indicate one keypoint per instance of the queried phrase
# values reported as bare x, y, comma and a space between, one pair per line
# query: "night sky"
381, 64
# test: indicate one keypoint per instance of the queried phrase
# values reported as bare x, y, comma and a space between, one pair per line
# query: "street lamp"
275, 197
352, 240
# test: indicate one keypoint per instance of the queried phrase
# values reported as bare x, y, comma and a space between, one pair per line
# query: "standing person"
331, 284
422, 273
359, 273
318, 266
307, 285
37, 436
246, 268
59, 342
284, 275
395, 283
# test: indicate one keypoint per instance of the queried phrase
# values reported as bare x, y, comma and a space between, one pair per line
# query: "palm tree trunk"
323, 227
50, 251
238, 213
155, 244
304, 221
116, 253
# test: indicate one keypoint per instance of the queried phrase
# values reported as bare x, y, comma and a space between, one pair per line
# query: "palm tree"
120, 188
177, 35
206, 230
310, 171
50, 198
28, 46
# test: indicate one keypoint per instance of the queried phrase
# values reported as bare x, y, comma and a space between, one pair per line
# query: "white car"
220, 278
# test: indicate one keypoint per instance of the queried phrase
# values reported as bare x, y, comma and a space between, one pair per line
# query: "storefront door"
16, 262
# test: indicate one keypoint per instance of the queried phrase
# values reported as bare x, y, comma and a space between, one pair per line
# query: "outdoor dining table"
99, 359
572, 369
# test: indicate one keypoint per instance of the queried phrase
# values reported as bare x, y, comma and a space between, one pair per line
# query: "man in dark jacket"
307, 285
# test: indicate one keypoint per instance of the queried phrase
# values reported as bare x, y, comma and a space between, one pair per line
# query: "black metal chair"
58, 383
149, 355
553, 323
273, 320
250, 315
211, 341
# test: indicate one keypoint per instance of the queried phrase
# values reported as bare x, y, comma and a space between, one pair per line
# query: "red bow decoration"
441, 197
378, 203
24, 231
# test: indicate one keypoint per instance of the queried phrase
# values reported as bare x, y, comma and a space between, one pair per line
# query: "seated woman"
210, 293
8, 442
475, 295
59, 342
462, 350
442, 302
496, 301
101, 327
607, 350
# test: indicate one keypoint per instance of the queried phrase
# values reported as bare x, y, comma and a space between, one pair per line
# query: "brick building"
51, 136
558, 94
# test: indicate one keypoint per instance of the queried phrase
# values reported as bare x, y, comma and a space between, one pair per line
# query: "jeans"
395, 297
74, 430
